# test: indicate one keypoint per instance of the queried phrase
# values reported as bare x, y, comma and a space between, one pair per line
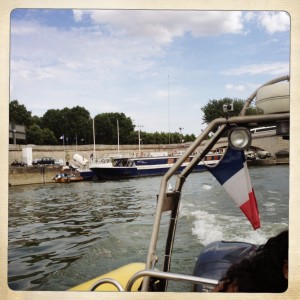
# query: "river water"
63, 234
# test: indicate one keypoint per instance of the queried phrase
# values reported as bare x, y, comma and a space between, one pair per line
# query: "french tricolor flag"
232, 173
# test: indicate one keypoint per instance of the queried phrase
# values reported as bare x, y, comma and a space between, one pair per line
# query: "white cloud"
162, 94
164, 26
116, 61
239, 88
24, 28
249, 16
78, 14
274, 21
278, 68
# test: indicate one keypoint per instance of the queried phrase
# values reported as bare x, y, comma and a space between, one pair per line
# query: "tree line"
75, 126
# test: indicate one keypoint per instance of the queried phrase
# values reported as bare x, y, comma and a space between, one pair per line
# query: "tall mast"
94, 138
118, 136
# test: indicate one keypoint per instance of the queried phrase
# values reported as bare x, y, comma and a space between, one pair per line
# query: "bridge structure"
267, 140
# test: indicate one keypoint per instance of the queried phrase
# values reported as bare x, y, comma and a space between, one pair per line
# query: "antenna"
169, 109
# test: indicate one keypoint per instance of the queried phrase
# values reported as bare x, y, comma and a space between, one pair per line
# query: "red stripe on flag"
250, 209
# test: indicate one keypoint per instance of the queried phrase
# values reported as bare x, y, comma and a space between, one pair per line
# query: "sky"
158, 67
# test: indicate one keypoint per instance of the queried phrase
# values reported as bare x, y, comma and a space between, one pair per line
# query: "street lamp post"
181, 135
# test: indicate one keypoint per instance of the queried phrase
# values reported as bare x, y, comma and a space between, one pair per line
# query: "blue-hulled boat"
152, 165
81, 164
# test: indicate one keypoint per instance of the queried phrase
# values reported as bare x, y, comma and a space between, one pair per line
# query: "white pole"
94, 157
118, 137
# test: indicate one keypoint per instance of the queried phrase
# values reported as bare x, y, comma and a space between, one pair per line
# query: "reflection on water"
51, 226
63, 234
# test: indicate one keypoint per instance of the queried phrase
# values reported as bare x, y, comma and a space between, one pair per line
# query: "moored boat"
67, 177
232, 173
151, 165
81, 165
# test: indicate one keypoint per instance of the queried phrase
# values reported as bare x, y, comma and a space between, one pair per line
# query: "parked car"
262, 154
59, 162
44, 161
18, 164
282, 154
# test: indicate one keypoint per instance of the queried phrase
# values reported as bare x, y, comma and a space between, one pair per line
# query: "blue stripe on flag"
232, 162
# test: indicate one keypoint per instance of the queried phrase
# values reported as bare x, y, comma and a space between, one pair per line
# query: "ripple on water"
61, 235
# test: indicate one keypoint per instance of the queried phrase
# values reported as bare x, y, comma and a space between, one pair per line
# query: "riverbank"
45, 174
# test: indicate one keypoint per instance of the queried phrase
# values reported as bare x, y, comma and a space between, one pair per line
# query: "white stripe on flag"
237, 187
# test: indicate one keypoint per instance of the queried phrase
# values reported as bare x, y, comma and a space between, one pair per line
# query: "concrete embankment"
32, 175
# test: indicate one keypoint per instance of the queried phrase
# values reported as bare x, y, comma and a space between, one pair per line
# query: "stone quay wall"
266, 141
32, 175
60, 152
45, 174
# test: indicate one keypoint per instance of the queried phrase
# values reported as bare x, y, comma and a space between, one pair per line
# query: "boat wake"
208, 228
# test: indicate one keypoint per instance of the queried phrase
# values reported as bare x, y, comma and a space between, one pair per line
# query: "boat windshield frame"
171, 200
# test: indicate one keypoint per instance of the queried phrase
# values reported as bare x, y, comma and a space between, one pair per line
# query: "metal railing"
155, 274
169, 276
222, 124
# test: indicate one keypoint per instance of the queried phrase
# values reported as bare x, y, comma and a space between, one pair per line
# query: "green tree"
36, 120
34, 135
75, 124
148, 138
49, 137
189, 137
18, 114
52, 119
157, 138
106, 128
214, 109
38, 136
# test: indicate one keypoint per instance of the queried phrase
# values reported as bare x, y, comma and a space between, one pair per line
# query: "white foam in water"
273, 192
206, 228
212, 227
274, 199
186, 209
256, 237
269, 204
207, 187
